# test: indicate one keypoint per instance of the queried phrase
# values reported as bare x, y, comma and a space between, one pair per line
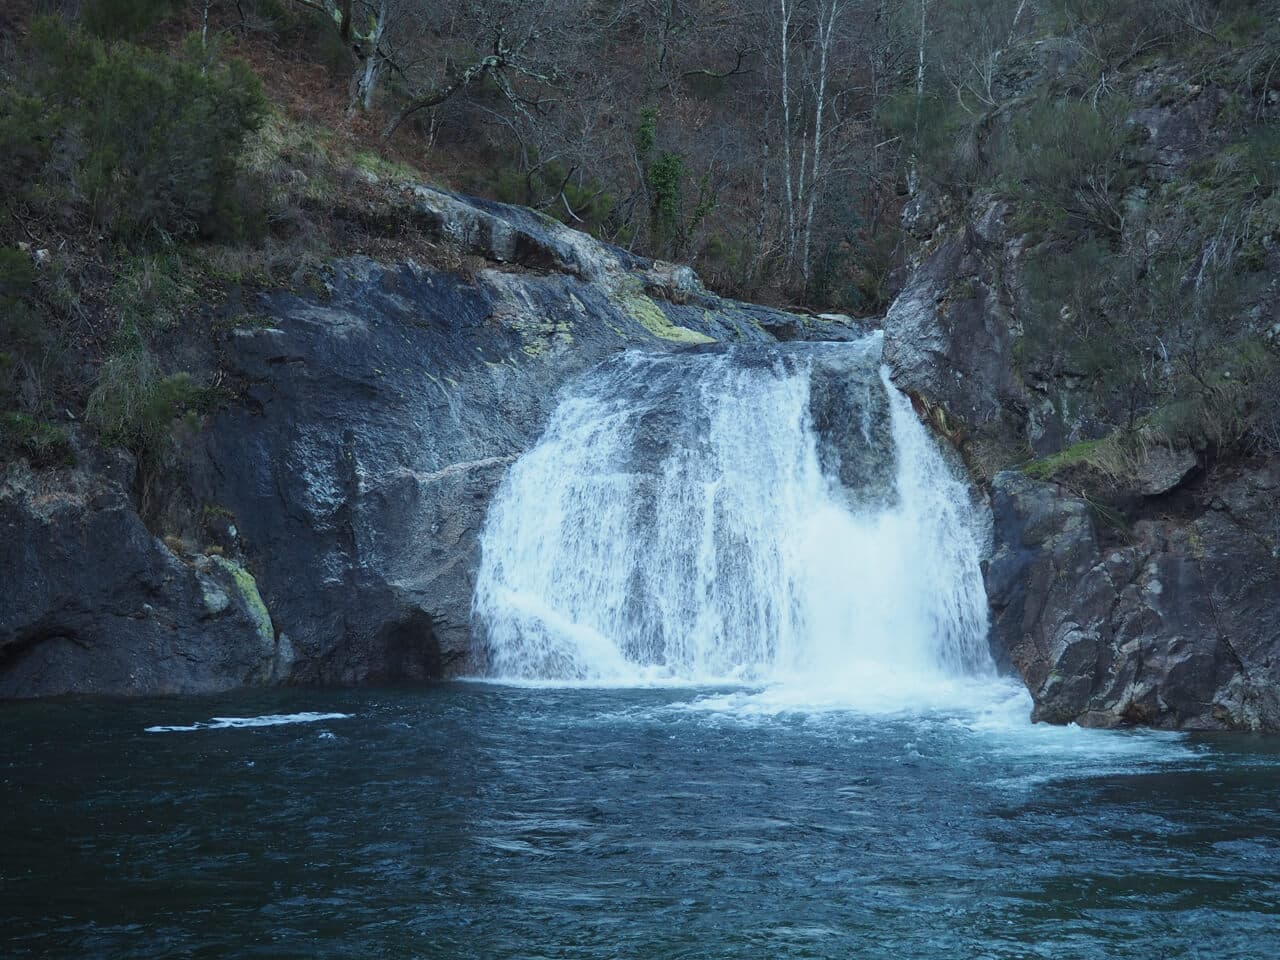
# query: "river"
490, 821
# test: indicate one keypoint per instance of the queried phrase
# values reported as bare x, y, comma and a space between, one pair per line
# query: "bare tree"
506, 40
372, 44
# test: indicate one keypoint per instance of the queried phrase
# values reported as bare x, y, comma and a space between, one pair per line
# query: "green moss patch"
644, 311
247, 587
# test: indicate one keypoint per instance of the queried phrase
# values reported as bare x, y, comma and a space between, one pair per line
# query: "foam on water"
677, 525
979, 720
269, 720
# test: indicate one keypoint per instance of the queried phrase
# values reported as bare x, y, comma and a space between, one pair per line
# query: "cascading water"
683, 519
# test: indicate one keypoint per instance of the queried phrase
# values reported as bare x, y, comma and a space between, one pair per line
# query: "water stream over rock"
764, 514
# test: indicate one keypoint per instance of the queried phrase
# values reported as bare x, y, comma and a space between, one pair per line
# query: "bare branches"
733, 71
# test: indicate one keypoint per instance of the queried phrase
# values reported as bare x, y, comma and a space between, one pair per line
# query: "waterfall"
766, 514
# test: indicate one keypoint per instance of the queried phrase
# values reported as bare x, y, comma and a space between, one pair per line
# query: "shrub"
551, 186
1066, 164
1264, 428
1224, 398
136, 406
17, 275
940, 140
1105, 317
29, 348
26, 132
1115, 31
146, 144
43, 444
151, 291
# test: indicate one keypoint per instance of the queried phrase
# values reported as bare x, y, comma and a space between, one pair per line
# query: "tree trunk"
367, 73
826, 30
344, 25
784, 12
913, 173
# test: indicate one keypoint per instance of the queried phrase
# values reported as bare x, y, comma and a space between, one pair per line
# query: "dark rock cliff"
1135, 575
342, 492
1174, 626
94, 603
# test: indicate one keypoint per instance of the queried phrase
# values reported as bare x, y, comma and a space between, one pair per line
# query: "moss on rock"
247, 588
643, 310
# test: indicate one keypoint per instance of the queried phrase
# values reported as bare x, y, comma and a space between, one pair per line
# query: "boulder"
1175, 625
94, 603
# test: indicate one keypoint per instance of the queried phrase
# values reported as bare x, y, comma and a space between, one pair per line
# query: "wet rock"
94, 603
1177, 629
948, 334
378, 418
346, 485
851, 418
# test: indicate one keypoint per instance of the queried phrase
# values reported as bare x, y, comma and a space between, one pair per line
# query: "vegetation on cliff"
161, 157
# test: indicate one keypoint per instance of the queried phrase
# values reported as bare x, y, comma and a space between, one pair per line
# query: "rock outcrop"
1174, 625
375, 413
948, 335
1141, 590
94, 603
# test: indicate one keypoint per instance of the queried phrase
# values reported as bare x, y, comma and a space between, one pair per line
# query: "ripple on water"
476, 821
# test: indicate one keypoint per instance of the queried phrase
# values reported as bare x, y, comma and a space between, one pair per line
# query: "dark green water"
480, 821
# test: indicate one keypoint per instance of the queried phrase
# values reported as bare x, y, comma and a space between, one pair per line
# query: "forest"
159, 153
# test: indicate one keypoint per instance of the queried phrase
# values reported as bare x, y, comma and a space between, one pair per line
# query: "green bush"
137, 407
29, 348
1115, 31
665, 176
942, 142
1225, 398
1102, 316
152, 291
43, 444
1264, 426
548, 186
17, 275
27, 131
145, 144
1066, 165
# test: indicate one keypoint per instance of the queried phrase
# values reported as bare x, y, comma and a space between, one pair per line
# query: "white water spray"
682, 520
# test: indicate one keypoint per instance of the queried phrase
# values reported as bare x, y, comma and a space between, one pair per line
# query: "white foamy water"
269, 720
680, 521
967, 720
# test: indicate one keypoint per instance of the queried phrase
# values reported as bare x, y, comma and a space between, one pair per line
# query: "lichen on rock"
645, 311
247, 590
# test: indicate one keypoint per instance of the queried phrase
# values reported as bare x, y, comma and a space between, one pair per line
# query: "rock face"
93, 603
852, 421
1177, 628
343, 490
948, 336
1170, 622
373, 420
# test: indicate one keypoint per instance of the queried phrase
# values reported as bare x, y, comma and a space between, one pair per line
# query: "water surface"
472, 820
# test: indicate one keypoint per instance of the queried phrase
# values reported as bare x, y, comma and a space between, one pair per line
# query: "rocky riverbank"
339, 494
338, 497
